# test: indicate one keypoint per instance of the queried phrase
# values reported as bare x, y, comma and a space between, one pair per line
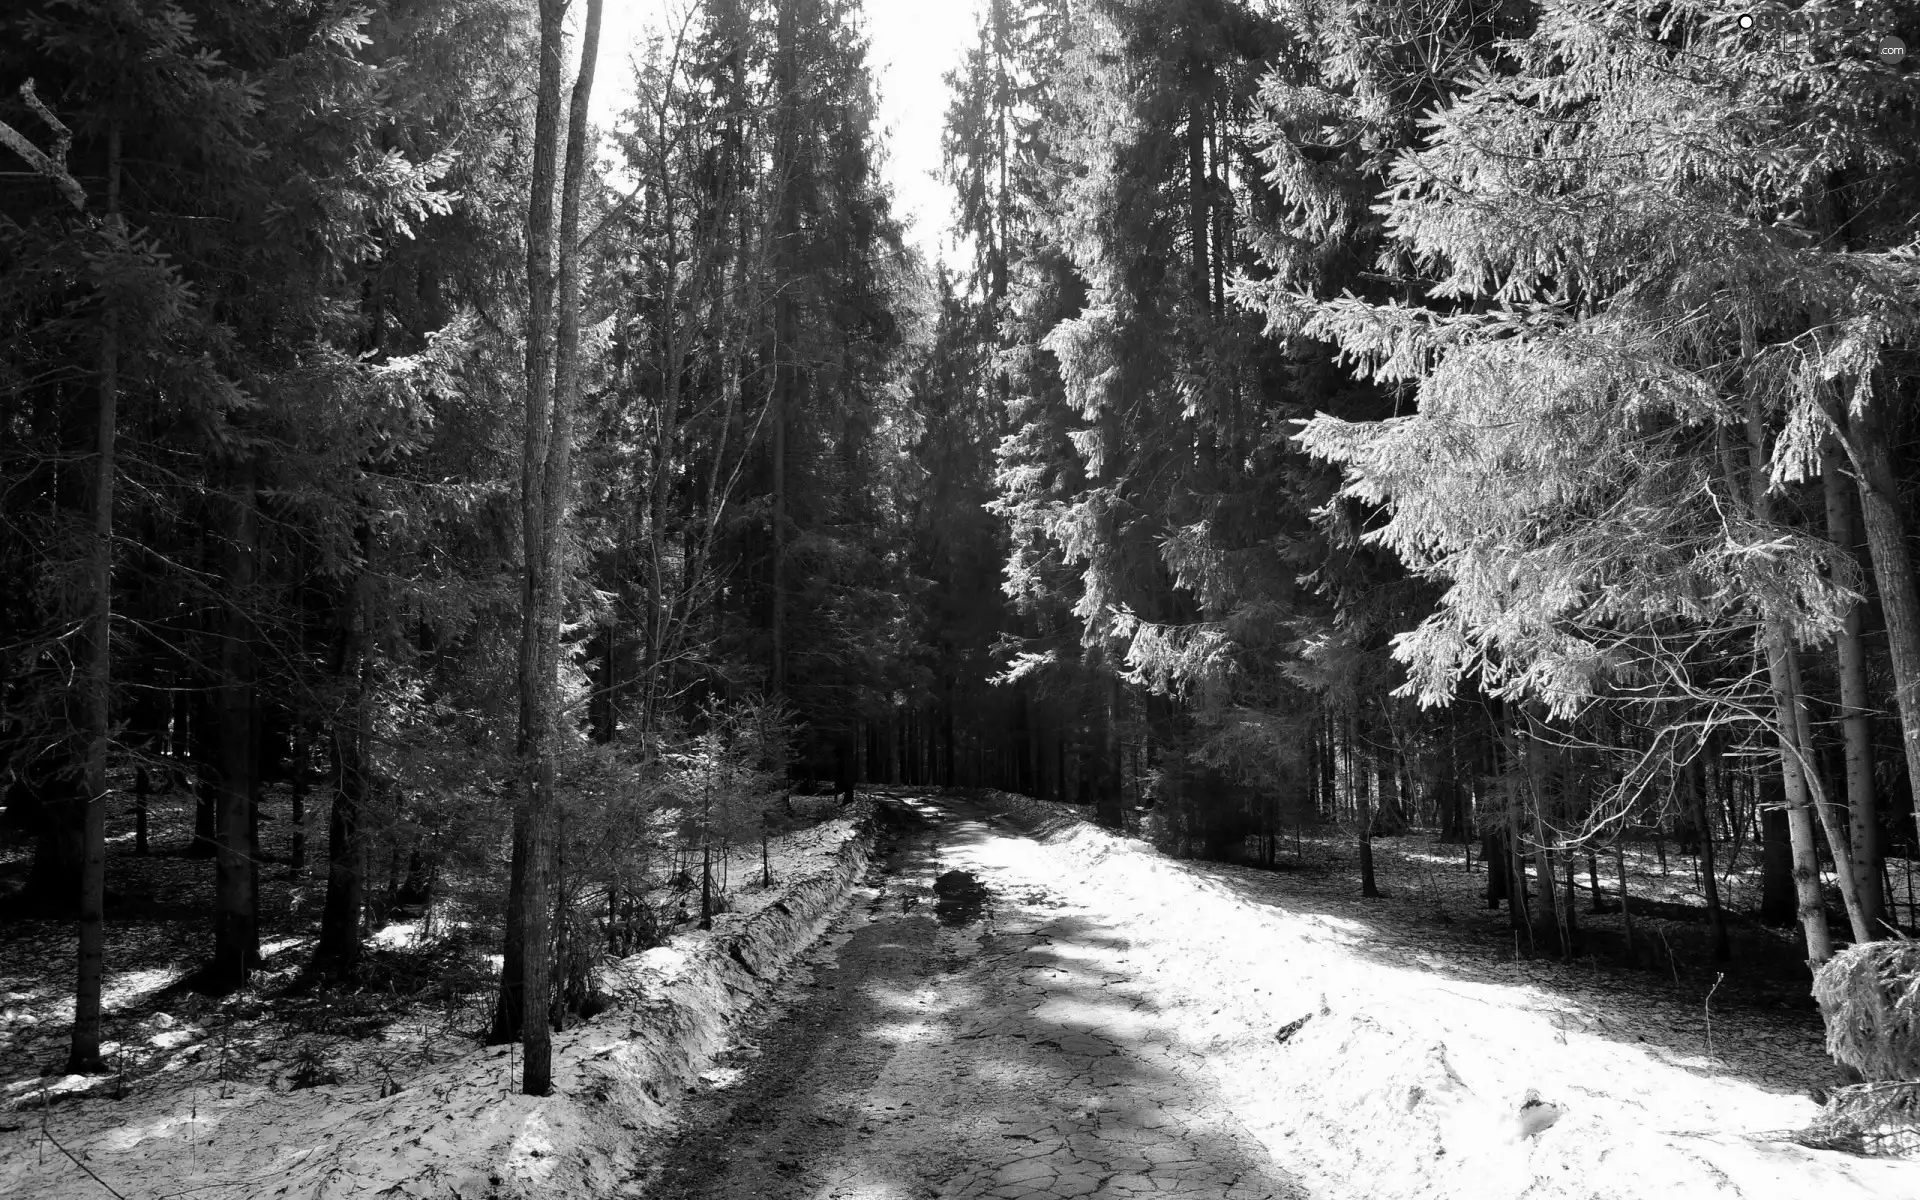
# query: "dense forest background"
1495, 417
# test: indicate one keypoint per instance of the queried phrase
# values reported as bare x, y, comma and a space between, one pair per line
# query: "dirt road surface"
962, 1033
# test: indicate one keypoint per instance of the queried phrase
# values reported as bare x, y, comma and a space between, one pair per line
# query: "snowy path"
1007, 1052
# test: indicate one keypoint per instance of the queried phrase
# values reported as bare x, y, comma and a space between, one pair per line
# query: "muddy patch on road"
963, 899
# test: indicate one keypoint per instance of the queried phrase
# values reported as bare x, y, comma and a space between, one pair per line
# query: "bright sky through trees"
915, 42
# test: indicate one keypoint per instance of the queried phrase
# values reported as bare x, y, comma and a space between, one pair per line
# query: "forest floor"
425, 988
280, 1089
1015, 1004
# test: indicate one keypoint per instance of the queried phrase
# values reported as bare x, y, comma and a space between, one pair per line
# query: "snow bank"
1399, 1081
458, 1130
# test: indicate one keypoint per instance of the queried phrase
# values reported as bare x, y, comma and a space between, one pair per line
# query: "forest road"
960, 1032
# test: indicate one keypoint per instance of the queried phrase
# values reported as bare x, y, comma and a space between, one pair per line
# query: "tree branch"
53, 166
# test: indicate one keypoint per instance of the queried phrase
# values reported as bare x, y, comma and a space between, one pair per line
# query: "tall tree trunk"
531, 741
203, 749
948, 732
1823, 808
1516, 866
236, 939
786, 238
297, 794
1855, 703
1862, 431
1546, 917
1569, 907
1810, 907
1108, 796
1777, 900
1696, 782
1363, 801
1220, 187
1867, 444
142, 798
1199, 110
1493, 856
348, 745
83, 1054
1776, 644
510, 1006
1329, 782
1626, 913
553, 332
524, 957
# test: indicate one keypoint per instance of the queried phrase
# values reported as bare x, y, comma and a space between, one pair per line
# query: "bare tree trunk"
1108, 796
1716, 919
1546, 918
1811, 909
785, 368
545, 476
1855, 704
509, 1007
1329, 787
1862, 432
706, 883
528, 807
1364, 805
142, 797
1517, 895
1823, 808
1776, 643
236, 940
1893, 573
348, 745
1199, 111
201, 739
1777, 902
1514, 846
297, 787
1569, 907
83, 1054
1626, 914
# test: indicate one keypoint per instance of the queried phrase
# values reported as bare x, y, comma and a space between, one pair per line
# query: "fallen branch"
1880, 1118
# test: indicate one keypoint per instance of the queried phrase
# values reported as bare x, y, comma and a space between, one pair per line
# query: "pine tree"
1594, 468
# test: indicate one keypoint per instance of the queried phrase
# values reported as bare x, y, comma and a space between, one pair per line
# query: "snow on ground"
234, 1105
1406, 1069
1377, 1048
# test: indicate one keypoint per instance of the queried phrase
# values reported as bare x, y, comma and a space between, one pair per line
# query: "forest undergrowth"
421, 996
